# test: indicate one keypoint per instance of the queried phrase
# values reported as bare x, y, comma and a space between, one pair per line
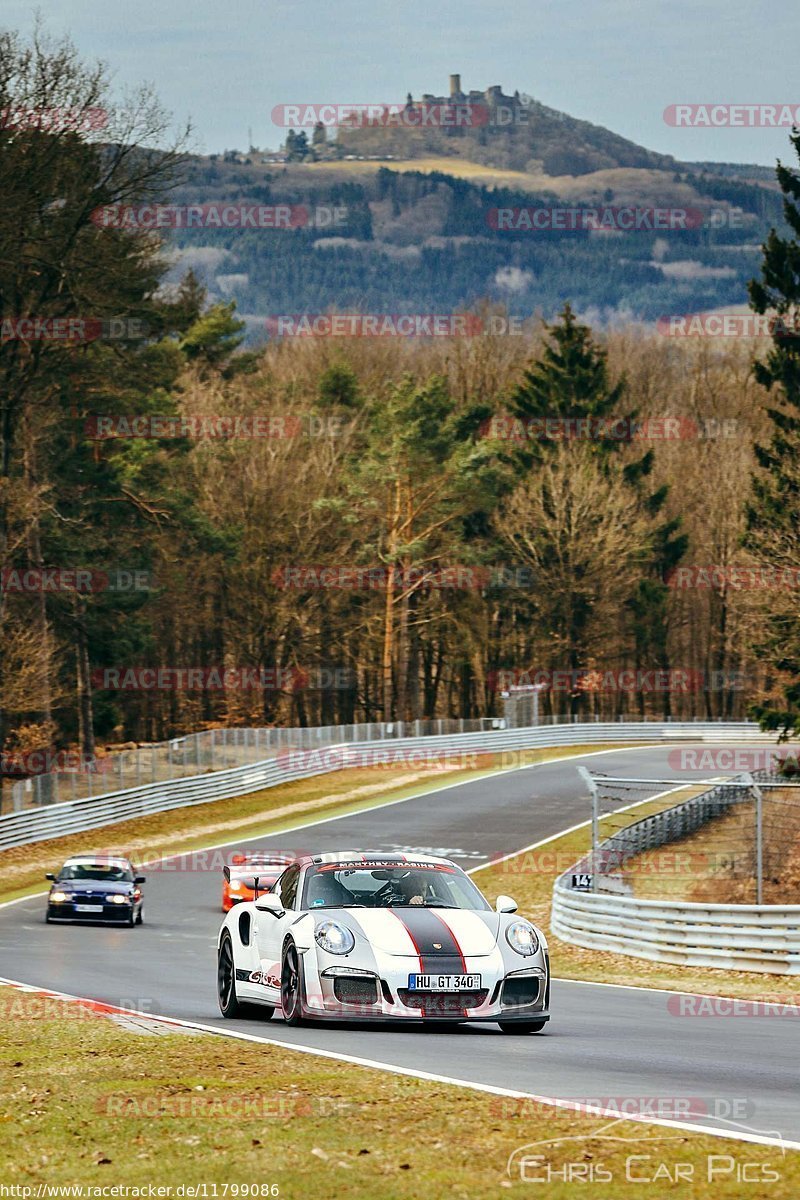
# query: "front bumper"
111, 914
385, 996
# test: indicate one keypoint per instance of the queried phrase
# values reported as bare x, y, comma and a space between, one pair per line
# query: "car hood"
96, 886
413, 929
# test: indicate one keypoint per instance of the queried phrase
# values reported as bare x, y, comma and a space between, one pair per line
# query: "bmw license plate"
444, 983
88, 908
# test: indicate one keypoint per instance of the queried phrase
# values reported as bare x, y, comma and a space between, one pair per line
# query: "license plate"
443, 983
88, 908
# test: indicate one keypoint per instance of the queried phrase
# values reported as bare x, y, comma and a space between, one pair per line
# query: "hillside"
417, 237
506, 131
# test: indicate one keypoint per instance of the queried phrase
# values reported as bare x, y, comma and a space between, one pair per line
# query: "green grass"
85, 1102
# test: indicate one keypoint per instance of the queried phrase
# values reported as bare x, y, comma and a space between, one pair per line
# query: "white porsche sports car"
387, 937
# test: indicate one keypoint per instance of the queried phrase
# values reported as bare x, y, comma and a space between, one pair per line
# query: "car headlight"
522, 937
333, 937
117, 898
59, 897
235, 885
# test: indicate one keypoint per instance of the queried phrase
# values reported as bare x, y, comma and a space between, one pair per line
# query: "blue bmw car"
96, 889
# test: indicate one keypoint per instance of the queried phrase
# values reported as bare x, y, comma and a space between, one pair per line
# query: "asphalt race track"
602, 1044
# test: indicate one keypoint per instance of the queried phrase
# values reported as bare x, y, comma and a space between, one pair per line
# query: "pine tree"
773, 510
570, 381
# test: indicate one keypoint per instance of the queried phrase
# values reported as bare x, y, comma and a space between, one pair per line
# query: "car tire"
522, 1026
292, 985
131, 921
229, 1003
140, 915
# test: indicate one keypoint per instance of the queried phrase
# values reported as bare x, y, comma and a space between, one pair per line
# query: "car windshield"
265, 879
334, 885
103, 873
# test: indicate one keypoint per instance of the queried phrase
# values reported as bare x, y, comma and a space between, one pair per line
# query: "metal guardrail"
657, 829
222, 749
743, 937
211, 750
75, 816
737, 937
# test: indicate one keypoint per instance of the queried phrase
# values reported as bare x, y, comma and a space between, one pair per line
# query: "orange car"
239, 879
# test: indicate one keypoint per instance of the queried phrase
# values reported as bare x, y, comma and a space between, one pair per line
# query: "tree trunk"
389, 604
85, 704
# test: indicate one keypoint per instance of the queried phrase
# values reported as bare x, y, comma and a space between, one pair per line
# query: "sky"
617, 63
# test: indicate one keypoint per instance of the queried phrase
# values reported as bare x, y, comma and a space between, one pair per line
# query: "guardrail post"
759, 798
587, 778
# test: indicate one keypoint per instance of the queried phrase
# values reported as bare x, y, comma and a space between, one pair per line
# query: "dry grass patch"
83, 1102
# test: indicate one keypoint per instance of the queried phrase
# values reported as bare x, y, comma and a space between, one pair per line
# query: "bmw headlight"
333, 937
522, 937
59, 897
118, 898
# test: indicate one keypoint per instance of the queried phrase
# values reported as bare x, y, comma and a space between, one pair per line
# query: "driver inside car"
408, 889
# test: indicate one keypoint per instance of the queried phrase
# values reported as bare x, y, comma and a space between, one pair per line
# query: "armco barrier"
658, 829
54, 820
738, 937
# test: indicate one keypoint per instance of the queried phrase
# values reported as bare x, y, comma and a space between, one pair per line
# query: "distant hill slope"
510, 132
417, 235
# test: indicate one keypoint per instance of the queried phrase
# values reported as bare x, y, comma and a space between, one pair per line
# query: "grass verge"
84, 1102
717, 863
529, 877
252, 816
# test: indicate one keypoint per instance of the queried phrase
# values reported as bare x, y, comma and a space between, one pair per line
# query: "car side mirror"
504, 904
270, 902
140, 879
50, 875
226, 871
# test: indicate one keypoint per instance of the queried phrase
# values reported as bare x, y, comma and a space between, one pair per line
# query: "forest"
195, 532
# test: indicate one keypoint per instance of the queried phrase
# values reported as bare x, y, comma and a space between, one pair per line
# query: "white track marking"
588, 1110
244, 838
